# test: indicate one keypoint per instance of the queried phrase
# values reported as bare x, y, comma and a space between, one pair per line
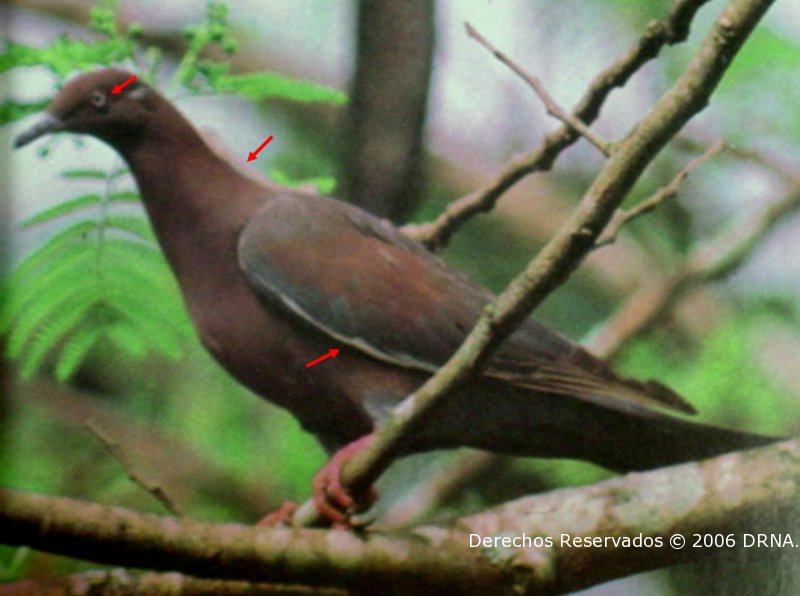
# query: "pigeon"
272, 278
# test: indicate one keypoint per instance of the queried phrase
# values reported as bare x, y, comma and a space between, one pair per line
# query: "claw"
280, 517
333, 501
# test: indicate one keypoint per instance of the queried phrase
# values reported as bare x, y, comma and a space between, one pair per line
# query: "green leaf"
127, 338
62, 209
51, 333
75, 350
74, 270
47, 305
138, 226
66, 55
151, 322
12, 111
103, 18
323, 184
266, 85
62, 244
95, 174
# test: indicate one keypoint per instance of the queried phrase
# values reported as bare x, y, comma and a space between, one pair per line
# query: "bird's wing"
359, 280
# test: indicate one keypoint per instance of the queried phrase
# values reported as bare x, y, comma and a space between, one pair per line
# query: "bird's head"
87, 104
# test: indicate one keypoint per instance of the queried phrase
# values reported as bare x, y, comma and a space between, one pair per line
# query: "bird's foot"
333, 501
280, 517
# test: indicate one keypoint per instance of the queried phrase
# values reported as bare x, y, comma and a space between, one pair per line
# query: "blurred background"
394, 107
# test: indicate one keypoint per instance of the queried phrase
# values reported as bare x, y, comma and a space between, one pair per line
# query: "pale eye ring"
98, 99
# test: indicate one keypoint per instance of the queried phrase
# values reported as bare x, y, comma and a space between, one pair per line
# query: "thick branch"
671, 30
383, 169
562, 255
120, 582
117, 536
752, 491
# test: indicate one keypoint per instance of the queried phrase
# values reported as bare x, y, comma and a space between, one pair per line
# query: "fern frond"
66, 273
143, 260
58, 247
129, 287
47, 305
127, 338
64, 208
49, 335
75, 350
151, 322
85, 173
76, 204
137, 226
122, 196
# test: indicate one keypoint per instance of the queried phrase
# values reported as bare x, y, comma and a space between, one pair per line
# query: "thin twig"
710, 261
432, 491
575, 239
118, 453
550, 104
772, 162
673, 29
622, 217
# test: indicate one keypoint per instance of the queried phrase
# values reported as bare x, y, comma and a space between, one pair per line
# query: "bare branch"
432, 491
175, 465
730, 495
117, 452
712, 260
772, 162
121, 582
622, 217
550, 104
673, 29
564, 252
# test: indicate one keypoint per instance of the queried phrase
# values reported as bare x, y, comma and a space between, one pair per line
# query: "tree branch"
669, 31
550, 104
622, 217
712, 260
752, 491
563, 253
149, 485
122, 583
383, 168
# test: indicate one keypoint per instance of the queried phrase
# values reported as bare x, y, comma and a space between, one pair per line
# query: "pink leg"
281, 517
333, 501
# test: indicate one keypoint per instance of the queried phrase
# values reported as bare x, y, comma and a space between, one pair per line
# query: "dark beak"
46, 123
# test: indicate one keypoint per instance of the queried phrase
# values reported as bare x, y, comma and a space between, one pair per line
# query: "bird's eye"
98, 99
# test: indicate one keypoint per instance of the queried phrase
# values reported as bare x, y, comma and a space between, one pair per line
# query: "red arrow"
254, 154
118, 88
332, 353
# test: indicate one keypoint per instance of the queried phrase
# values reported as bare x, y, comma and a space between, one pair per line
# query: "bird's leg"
333, 500
281, 516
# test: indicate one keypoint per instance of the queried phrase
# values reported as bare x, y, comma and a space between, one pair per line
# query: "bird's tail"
667, 441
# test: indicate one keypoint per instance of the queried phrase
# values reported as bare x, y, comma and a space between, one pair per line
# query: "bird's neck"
197, 202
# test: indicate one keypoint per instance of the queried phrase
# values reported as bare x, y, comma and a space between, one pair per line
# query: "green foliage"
99, 281
12, 111
12, 561
66, 55
214, 31
268, 85
719, 378
322, 184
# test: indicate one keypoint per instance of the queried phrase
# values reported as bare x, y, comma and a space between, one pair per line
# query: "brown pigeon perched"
273, 278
